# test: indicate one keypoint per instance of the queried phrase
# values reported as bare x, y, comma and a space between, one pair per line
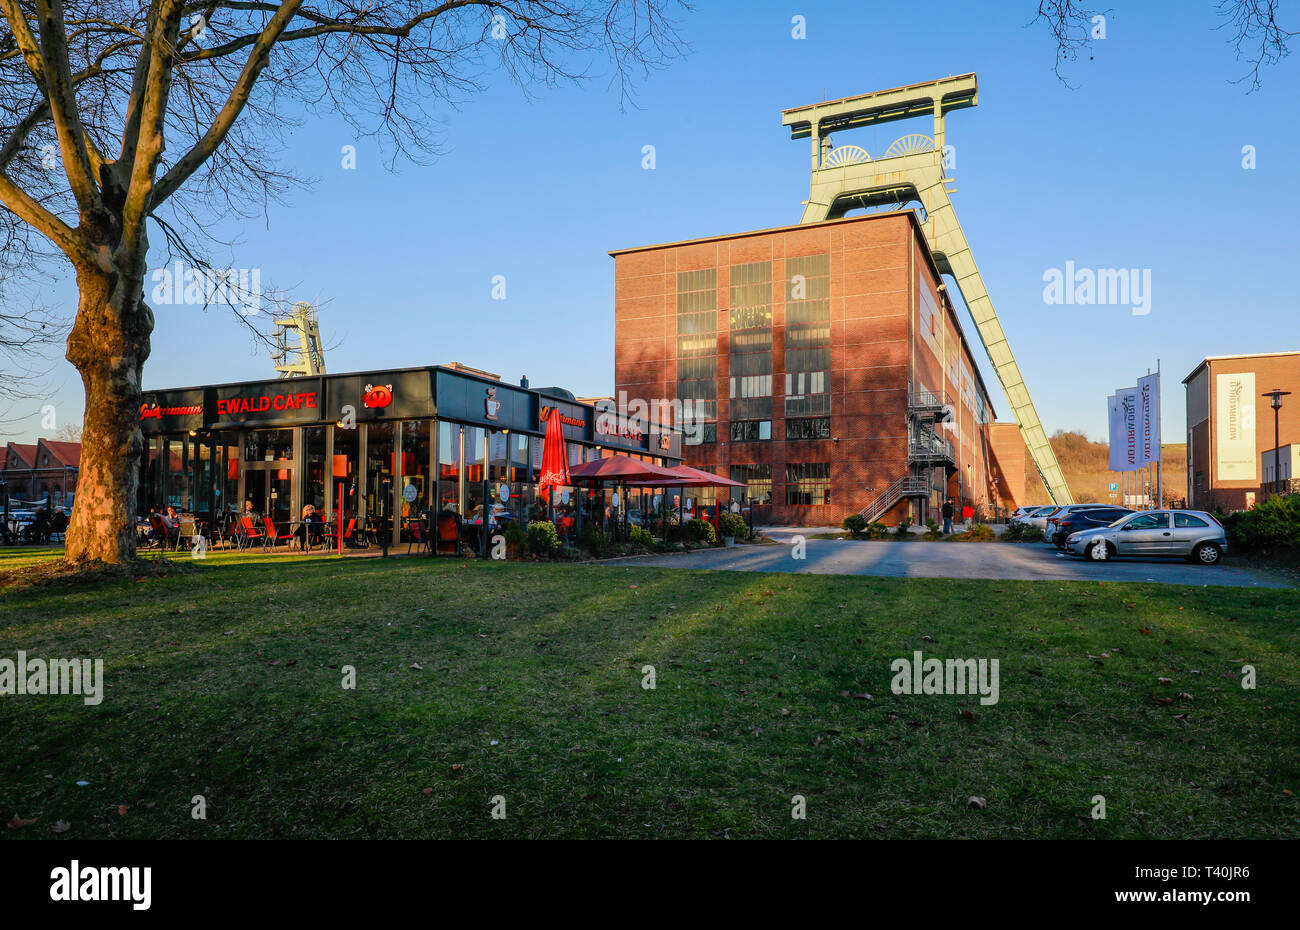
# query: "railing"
929, 405
931, 448
907, 486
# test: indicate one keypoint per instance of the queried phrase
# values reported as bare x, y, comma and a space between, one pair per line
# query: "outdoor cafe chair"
273, 536
164, 532
447, 539
416, 529
188, 530
347, 533
248, 532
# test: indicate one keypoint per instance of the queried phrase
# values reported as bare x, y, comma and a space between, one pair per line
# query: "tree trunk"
108, 345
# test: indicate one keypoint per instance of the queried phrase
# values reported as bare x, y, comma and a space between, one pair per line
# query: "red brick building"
48, 466
1230, 425
827, 364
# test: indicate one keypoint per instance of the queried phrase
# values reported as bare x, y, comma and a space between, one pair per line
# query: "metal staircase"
913, 169
907, 486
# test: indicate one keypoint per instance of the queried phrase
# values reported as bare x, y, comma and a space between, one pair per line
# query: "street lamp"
1276, 396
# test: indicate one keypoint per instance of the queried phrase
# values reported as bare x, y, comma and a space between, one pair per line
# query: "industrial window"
808, 428
807, 336
750, 430
757, 480
808, 483
750, 321
697, 340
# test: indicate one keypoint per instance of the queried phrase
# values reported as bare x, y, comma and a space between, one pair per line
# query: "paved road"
1030, 561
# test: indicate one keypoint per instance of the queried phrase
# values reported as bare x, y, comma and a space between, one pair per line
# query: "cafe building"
399, 442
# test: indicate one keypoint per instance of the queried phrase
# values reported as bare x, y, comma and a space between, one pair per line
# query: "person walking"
948, 510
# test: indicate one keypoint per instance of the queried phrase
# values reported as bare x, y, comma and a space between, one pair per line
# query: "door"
271, 491
1145, 534
1188, 530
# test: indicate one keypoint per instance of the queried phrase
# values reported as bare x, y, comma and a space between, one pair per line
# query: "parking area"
906, 559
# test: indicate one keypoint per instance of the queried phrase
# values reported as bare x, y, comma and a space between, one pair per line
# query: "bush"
1273, 523
855, 523
1023, 532
733, 524
902, 531
932, 529
877, 530
979, 532
543, 538
701, 531
515, 539
593, 540
642, 537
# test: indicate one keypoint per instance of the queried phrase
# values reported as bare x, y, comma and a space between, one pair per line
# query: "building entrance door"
270, 488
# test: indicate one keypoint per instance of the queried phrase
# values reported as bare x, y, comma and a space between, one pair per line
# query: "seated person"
251, 512
60, 522
310, 529
38, 531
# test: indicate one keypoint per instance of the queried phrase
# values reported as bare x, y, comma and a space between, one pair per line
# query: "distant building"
46, 467
1287, 462
1230, 425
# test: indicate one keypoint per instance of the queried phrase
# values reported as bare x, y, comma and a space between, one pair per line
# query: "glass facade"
757, 480
808, 483
750, 325
697, 344
808, 338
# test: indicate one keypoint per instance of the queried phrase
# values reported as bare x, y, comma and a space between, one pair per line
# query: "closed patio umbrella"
555, 463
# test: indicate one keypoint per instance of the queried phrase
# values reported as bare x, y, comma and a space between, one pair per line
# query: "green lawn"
224, 680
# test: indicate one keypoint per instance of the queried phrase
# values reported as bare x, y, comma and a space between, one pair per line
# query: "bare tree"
1256, 34
115, 113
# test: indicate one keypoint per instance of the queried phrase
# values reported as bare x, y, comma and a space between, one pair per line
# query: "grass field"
224, 680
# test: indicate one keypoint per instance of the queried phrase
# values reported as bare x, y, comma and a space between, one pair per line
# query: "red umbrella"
683, 476
555, 462
619, 468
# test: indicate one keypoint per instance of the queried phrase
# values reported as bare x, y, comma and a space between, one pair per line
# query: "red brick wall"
1274, 371
874, 262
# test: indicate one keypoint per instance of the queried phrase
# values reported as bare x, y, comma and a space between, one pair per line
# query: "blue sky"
1138, 166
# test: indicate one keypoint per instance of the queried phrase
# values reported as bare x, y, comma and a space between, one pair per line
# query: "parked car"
1090, 519
1021, 512
1190, 534
1038, 517
1062, 513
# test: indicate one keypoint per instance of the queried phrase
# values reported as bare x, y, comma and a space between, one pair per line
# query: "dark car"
1086, 520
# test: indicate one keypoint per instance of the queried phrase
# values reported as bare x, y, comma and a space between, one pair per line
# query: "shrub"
593, 540
733, 524
515, 539
855, 523
642, 537
701, 531
902, 531
877, 530
1023, 532
1273, 523
543, 538
979, 532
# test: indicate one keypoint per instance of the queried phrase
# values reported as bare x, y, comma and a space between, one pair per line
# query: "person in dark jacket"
947, 511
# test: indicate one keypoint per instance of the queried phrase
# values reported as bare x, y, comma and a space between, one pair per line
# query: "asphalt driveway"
904, 559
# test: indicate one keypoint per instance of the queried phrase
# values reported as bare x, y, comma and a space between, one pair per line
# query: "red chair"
164, 533
416, 529
248, 532
273, 536
347, 533
448, 534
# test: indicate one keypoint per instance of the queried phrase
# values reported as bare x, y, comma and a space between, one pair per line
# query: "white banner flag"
1148, 419
1124, 446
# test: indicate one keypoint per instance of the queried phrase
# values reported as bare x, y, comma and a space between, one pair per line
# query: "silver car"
1190, 534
